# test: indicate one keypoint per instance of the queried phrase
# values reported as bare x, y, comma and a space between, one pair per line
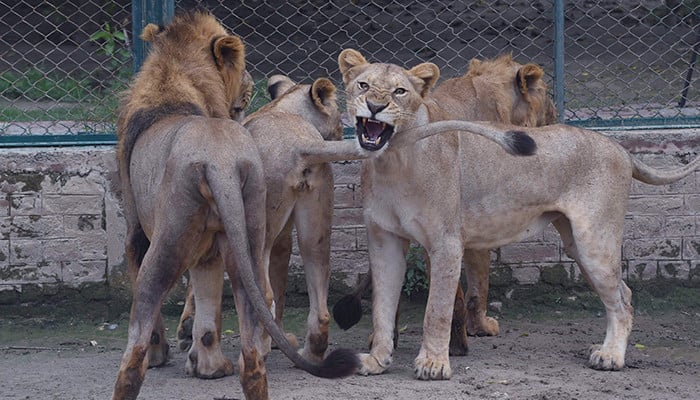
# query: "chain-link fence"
63, 62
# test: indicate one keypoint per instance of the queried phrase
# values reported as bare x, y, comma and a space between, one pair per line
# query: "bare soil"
538, 355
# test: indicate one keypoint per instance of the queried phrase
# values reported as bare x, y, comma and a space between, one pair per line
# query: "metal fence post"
558, 79
144, 12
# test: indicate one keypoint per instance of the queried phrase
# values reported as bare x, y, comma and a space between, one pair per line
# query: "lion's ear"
347, 60
527, 77
278, 85
474, 64
323, 94
150, 32
229, 51
428, 73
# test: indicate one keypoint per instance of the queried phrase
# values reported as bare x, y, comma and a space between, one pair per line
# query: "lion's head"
499, 90
383, 98
316, 103
193, 59
194, 67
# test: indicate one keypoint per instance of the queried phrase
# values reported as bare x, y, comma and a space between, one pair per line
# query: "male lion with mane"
499, 90
456, 191
193, 195
297, 135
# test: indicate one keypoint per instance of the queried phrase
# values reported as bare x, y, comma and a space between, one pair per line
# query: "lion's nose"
375, 108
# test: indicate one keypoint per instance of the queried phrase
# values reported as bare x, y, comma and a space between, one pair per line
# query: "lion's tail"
653, 176
348, 310
515, 142
337, 364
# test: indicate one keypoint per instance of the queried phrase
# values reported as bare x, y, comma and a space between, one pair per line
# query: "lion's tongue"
374, 129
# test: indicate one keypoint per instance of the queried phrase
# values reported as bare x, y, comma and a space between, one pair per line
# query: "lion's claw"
432, 369
605, 360
370, 365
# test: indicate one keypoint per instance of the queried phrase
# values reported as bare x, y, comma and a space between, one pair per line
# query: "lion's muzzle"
373, 134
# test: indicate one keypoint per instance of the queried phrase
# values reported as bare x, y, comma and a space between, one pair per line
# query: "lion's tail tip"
347, 311
521, 143
339, 363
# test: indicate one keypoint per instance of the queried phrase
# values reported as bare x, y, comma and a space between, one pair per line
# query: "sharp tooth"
383, 125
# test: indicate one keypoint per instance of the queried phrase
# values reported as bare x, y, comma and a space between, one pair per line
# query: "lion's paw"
208, 366
370, 365
158, 351
432, 369
605, 360
487, 327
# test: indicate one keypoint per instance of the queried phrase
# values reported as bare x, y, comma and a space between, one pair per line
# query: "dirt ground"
536, 356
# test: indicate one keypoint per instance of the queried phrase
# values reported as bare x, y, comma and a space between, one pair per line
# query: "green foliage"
115, 45
416, 280
36, 84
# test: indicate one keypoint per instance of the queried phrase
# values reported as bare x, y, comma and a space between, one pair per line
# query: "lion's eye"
399, 91
363, 85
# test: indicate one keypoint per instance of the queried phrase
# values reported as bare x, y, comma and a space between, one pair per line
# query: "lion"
455, 191
193, 195
499, 90
292, 134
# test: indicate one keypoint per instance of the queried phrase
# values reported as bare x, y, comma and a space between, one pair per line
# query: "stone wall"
61, 225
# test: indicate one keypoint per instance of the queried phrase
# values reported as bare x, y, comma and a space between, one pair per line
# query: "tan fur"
456, 190
299, 193
193, 196
499, 90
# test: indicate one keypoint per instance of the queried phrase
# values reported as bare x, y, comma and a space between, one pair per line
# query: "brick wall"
61, 226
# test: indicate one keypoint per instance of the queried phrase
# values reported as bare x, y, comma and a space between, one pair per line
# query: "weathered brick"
656, 205
73, 204
93, 183
5, 227
25, 204
26, 252
641, 226
675, 269
347, 217
83, 247
651, 249
676, 226
642, 270
691, 248
58, 250
4, 207
346, 172
344, 196
31, 273
526, 275
350, 262
36, 226
74, 273
4, 253
529, 252
343, 239
83, 223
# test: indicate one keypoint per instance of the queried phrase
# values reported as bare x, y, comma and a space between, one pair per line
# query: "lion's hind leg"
477, 266
598, 254
205, 358
159, 270
184, 327
313, 215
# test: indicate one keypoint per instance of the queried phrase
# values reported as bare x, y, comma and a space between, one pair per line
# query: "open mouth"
373, 134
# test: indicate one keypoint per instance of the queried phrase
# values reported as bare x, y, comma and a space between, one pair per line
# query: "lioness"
193, 195
292, 134
440, 192
499, 90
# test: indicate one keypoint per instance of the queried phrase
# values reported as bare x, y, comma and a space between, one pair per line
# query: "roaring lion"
297, 136
193, 195
499, 90
456, 190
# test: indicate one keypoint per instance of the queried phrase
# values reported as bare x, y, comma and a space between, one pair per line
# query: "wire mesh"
64, 62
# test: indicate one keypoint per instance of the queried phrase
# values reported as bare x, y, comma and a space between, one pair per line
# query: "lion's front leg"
433, 362
387, 254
